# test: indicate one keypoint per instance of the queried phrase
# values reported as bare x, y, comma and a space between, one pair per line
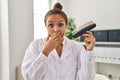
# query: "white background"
105, 13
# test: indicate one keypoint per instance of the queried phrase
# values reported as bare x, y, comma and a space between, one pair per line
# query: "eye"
60, 24
51, 25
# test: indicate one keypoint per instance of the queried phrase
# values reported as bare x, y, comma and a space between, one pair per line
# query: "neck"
59, 49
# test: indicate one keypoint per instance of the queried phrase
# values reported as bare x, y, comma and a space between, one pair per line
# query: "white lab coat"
75, 62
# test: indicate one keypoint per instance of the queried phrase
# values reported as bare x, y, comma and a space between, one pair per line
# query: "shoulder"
37, 43
75, 47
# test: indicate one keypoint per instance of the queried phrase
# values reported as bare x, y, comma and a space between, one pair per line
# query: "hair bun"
57, 6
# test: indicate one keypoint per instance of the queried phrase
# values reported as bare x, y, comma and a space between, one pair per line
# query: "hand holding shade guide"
83, 28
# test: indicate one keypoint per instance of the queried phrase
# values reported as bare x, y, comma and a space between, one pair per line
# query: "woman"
56, 57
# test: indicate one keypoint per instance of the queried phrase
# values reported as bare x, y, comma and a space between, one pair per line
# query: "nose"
56, 28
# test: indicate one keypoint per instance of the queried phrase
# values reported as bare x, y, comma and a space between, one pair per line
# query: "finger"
87, 41
88, 33
56, 34
91, 40
60, 37
60, 41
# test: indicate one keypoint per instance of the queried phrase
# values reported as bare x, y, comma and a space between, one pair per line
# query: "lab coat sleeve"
86, 66
34, 65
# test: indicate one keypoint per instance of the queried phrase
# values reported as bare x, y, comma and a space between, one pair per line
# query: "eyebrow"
50, 21
59, 21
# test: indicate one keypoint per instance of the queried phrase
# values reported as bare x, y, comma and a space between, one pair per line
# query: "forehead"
55, 17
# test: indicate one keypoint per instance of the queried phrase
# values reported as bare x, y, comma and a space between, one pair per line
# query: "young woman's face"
55, 22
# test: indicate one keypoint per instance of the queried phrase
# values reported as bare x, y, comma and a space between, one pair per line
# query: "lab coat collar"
65, 51
66, 48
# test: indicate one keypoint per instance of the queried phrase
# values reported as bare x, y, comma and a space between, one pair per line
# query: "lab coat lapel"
67, 49
54, 53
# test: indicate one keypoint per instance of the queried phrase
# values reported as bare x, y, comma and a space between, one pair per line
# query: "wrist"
45, 52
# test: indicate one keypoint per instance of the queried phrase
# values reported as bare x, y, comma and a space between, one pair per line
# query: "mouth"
56, 32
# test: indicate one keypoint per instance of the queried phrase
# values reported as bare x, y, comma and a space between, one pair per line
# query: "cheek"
50, 31
63, 30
